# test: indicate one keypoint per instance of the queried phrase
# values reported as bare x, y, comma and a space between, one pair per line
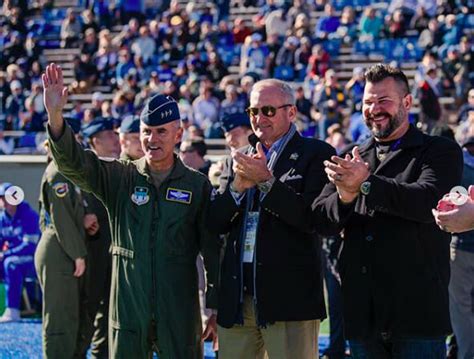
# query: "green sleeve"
67, 214
83, 167
42, 209
210, 248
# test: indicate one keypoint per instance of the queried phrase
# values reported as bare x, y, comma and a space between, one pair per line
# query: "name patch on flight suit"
178, 195
140, 196
60, 189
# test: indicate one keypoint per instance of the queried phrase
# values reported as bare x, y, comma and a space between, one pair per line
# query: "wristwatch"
266, 186
365, 188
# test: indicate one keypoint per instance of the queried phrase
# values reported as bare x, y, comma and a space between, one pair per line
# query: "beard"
394, 121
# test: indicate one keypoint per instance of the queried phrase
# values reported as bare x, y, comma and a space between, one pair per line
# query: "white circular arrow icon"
14, 195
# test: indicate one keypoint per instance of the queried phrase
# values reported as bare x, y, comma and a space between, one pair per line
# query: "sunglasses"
267, 111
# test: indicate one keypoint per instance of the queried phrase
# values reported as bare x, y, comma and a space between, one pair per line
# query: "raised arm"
55, 97
84, 168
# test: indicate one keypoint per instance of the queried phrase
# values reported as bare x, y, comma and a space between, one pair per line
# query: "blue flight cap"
130, 124
159, 110
229, 122
74, 123
3, 188
97, 125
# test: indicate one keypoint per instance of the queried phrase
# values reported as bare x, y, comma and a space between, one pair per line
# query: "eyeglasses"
268, 111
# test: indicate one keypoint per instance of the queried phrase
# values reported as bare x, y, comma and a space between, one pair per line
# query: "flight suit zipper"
154, 224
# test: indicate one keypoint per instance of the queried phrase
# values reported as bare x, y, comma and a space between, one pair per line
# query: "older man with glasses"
271, 297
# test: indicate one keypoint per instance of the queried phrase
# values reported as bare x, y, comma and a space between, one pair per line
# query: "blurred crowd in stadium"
116, 55
208, 61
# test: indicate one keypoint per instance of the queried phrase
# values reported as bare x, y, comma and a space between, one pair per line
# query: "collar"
283, 139
178, 170
412, 138
278, 147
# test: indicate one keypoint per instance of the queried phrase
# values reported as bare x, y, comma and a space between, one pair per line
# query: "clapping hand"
347, 174
454, 214
250, 169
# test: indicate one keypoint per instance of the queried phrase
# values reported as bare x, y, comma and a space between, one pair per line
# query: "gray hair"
283, 87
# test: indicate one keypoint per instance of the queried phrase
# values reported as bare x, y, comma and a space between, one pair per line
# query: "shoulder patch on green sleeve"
60, 189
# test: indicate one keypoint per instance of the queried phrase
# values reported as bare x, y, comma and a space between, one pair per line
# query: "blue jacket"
21, 232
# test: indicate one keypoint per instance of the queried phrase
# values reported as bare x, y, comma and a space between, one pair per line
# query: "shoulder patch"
140, 196
61, 189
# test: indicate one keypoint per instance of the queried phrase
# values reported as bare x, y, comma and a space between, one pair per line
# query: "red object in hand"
445, 204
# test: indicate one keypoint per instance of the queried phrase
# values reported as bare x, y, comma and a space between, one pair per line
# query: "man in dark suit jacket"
271, 296
395, 262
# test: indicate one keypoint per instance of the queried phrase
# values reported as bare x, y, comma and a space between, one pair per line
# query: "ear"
179, 135
93, 142
292, 113
407, 101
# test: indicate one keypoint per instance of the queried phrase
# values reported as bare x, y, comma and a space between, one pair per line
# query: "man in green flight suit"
157, 209
60, 263
104, 141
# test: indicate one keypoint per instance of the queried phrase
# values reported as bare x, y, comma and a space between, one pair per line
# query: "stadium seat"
332, 47
227, 54
286, 73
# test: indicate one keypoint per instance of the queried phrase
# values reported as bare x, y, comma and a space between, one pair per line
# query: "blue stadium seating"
283, 72
332, 47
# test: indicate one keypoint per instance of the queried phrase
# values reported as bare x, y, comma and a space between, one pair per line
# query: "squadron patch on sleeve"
61, 189
140, 196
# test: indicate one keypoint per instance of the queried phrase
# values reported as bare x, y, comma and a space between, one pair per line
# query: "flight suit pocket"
122, 289
179, 236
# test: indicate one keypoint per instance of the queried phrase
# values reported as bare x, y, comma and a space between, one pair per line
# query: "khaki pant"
285, 340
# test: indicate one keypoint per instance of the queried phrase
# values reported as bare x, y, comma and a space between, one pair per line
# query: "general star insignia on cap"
140, 196
178, 195
61, 189
160, 110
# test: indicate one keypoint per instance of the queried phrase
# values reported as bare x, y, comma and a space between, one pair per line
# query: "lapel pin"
294, 156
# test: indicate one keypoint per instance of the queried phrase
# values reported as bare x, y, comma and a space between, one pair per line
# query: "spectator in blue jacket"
328, 23
19, 234
452, 33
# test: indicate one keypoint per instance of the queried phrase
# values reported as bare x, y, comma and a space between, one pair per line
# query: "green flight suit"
98, 275
62, 241
125, 157
156, 237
